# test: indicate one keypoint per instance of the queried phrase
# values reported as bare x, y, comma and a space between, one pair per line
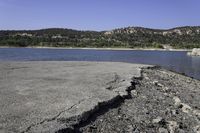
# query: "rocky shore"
161, 101
96, 97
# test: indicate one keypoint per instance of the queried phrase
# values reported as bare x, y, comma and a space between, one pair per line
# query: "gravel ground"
161, 101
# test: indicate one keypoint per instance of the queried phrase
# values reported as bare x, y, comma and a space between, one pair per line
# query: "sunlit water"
177, 61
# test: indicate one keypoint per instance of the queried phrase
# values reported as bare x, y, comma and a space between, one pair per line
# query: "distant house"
56, 37
26, 34
23, 34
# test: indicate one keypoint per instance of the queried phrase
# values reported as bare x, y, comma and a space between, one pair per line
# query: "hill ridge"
127, 37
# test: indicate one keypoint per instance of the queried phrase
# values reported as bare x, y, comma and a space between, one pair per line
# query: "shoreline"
136, 98
162, 107
90, 48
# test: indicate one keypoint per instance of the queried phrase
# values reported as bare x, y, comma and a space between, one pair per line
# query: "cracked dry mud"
162, 101
54, 96
106, 99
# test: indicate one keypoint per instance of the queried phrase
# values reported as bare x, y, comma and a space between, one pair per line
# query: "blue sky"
98, 14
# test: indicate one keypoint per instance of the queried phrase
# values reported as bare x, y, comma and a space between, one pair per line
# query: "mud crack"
111, 85
102, 107
52, 118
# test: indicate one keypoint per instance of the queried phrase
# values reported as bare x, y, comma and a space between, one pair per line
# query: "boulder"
195, 52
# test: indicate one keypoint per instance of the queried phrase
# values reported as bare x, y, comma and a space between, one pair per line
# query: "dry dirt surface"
96, 97
54, 96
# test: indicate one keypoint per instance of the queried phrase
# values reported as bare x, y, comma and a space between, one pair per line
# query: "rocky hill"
175, 31
180, 37
129, 37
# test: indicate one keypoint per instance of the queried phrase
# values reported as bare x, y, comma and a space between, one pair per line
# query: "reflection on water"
173, 60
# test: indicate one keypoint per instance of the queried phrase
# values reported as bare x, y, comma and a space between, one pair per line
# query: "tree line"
145, 38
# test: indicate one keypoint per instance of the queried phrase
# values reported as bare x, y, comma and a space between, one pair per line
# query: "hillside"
129, 37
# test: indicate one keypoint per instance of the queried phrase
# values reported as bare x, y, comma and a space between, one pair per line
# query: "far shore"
90, 48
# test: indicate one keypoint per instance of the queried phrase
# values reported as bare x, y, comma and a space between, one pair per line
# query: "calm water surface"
172, 60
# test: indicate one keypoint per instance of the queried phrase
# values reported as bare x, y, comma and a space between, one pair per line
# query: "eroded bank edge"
74, 123
102, 107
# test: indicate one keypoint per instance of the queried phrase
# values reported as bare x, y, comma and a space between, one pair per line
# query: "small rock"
160, 85
119, 116
157, 120
144, 97
197, 113
157, 84
162, 130
147, 78
130, 129
174, 112
172, 125
197, 129
166, 89
166, 94
134, 93
186, 108
177, 101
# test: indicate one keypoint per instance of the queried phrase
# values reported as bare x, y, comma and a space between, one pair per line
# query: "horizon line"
34, 29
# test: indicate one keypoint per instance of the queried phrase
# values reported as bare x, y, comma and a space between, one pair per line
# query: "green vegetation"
130, 37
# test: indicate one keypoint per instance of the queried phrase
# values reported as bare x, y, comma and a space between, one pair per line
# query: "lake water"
177, 61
